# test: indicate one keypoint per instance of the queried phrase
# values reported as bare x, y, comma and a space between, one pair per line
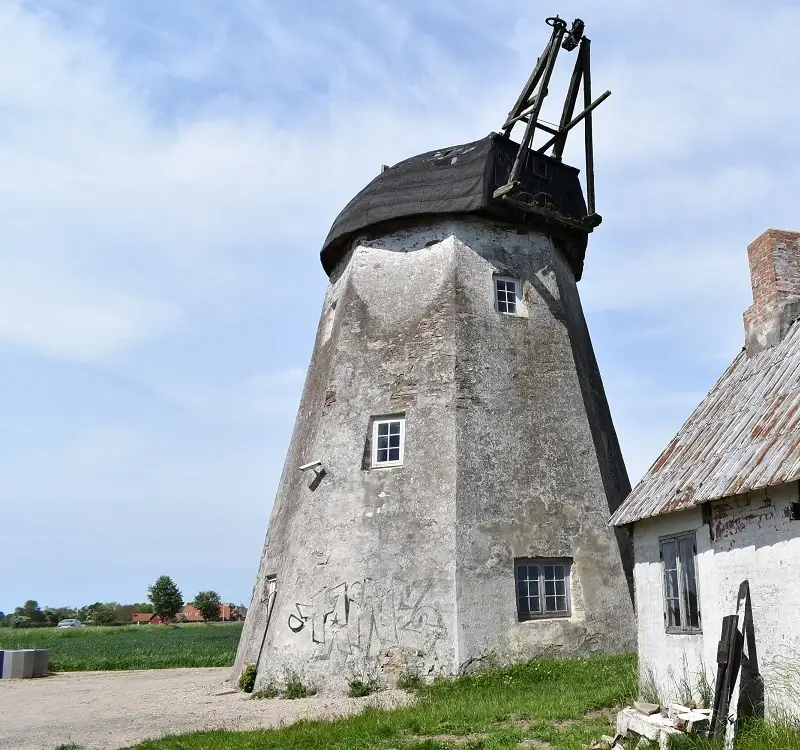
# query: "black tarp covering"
458, 180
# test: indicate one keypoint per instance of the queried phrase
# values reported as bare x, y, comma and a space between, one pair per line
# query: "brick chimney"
775, 277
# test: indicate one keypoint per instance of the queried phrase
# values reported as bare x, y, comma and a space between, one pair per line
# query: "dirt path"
108, 710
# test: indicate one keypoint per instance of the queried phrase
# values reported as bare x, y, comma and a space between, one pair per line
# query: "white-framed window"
681, 598
543, 587
388, 441
507, 295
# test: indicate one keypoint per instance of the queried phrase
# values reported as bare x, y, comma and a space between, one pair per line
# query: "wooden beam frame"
528, 107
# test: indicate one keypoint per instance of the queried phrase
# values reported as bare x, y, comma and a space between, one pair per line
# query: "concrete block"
41, 659
648, 709
651, 727
18, 664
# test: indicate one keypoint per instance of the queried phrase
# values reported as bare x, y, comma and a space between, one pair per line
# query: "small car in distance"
71, 623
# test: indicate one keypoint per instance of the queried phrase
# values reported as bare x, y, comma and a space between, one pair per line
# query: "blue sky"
168, 173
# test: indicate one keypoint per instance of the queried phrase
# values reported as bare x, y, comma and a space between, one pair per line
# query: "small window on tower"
388, 439
507, 292
543, 587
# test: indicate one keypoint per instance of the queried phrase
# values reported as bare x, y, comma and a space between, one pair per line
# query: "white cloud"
49, 311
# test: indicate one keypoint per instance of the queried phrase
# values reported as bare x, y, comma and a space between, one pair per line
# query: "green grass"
753, 735
133, 647
554, 701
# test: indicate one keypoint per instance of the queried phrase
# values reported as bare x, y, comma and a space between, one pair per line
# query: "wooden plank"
569, 102
524, 98
534, 116
587, 128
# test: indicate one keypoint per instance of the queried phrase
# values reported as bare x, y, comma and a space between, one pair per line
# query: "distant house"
721, 505
145, 618
190, 613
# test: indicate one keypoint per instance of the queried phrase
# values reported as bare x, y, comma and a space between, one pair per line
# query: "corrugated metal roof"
745, 435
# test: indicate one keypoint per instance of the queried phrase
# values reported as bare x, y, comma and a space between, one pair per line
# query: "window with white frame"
681, 600
543, 587
507, 295
388, 441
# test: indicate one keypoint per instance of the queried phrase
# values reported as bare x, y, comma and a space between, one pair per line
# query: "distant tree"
209, 603
166, 598
30, 610
101, 613
3, 621
238, 612
54, 615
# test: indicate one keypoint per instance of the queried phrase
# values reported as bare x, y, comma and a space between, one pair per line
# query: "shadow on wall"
616, 483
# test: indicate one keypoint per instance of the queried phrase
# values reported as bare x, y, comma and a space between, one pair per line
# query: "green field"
133, 647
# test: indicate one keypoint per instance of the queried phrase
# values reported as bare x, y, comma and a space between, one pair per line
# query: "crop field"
133, 647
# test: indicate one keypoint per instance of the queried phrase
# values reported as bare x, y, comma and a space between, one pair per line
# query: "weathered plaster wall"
750, 537
379, 571
530, 480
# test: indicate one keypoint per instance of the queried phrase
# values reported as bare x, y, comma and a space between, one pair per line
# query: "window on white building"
681, 601
388, 441
508, 295
542, 587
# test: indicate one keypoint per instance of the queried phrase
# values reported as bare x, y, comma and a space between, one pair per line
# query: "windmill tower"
453, 465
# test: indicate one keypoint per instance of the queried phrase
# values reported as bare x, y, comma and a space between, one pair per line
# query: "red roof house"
148, 618
189, 613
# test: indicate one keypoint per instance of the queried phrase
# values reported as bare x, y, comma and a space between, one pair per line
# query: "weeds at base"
360, 688
292, 691
268, 692
296, 689
410, 681
247, 680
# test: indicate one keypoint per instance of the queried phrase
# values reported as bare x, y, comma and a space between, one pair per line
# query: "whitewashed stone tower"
459, 458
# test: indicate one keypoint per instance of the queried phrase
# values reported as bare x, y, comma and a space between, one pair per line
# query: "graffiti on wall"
733, 517
362, 618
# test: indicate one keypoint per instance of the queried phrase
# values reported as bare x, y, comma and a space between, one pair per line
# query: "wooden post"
569, 102
523, 101
561, 135
530, 128
719, 711
588, 138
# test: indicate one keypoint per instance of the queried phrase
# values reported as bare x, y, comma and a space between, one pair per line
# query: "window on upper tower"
543, 587
507, 295
388, 441
681, 601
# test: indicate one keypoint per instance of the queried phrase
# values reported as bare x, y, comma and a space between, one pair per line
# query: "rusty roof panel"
745, 435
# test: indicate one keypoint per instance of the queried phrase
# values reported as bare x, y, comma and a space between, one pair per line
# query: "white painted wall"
749, 537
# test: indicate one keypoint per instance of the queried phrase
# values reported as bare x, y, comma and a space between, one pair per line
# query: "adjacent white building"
720, 505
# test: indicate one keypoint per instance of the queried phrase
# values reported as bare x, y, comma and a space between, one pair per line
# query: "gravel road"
109, 710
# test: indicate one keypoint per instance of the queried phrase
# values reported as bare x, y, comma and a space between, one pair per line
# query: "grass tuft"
357, 688
411, 681
270, 691
247, 679
295, 688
